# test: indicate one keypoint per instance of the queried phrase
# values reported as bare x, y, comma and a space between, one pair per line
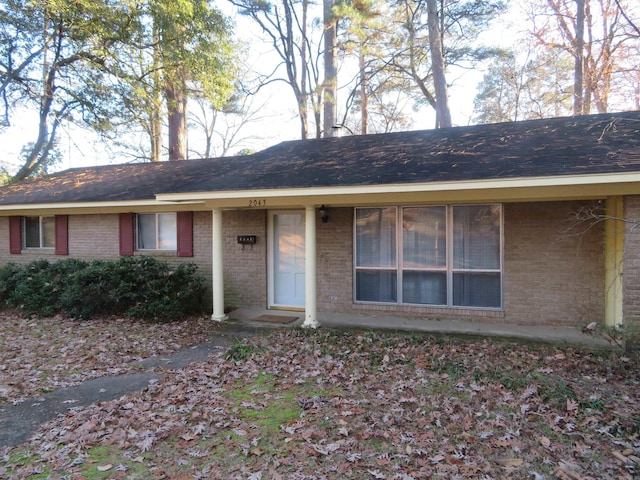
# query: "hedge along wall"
96, 237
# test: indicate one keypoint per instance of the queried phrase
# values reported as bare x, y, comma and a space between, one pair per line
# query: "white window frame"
402, 269
157, 246
449, 267
41, 234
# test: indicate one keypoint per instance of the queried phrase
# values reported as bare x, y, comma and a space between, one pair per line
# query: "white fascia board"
121, 205
463, 185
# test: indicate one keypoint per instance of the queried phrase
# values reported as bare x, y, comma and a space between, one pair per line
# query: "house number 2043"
257, 202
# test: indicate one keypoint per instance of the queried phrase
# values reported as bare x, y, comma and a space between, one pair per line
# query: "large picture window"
429, 255
156, 231
39, 232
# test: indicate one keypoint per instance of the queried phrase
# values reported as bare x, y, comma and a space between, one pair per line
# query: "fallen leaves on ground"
363, 405
41, 355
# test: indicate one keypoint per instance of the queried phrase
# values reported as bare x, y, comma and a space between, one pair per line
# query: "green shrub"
138, 287
9, 277
39, 285
88, 291
155, 291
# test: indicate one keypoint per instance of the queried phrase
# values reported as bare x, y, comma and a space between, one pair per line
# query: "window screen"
429, 255
156, 231
39, 232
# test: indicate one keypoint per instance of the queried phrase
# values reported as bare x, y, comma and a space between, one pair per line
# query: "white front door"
286, 272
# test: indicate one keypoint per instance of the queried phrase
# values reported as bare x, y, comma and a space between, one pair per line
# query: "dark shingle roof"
606, 143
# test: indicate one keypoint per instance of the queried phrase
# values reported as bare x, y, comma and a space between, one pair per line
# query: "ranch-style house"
530, 223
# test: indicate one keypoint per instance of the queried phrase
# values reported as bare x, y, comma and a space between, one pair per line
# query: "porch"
532, 333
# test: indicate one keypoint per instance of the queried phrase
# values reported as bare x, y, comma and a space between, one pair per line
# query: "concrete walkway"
19, 422
545, 333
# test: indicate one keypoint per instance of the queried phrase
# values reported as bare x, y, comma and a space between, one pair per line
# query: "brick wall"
554, 269
91, 237
96, 237
553, 275
245, 268
631, 265
335, 261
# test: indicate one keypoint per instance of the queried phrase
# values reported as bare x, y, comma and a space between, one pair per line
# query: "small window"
39, 232
156, 231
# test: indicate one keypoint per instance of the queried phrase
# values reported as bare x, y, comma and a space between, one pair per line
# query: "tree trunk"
34, 158
155, 117
578, 83
364, 95
302, 97
330, 68
289, 56
443, 115
156, 129
175, 93
46, 101
155, 120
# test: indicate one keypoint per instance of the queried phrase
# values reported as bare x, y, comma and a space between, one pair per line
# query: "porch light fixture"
324, 214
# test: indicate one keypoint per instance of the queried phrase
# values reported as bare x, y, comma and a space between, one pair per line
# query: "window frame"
41, 232
449, 268
158, 247
376, 268
433, 269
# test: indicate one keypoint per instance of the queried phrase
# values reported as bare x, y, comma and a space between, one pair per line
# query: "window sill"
39, 251
431, 310
156, 253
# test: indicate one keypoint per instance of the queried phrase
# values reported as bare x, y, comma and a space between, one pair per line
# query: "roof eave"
94, 207
560, 187
565, 187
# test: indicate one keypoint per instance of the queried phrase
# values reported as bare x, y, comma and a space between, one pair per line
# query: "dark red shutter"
62, 234
15, 235
126, 234
184, 221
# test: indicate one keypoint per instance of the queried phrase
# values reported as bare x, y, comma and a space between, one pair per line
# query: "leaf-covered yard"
326, 404
39, 355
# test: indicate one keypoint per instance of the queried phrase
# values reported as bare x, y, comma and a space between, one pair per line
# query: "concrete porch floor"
545, 333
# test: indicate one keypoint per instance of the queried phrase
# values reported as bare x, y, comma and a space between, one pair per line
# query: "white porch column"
613, 250
217, 271
310, 288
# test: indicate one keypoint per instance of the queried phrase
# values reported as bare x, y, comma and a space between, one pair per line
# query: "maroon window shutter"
126, 234
15, 235
184, 223
62, 234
